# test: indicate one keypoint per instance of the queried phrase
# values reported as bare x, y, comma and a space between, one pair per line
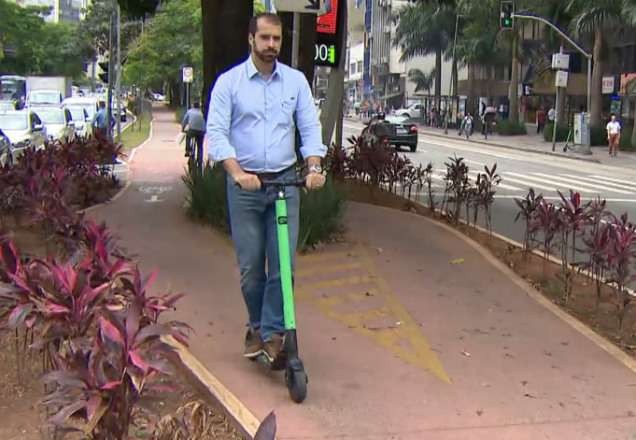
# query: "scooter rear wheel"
296, 384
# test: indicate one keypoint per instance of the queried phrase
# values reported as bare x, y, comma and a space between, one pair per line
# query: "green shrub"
511, 128
626, 139
561, 133
598, 136
206, 200
320, 211
320, 215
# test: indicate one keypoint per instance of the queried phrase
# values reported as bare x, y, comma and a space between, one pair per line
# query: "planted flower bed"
81, 331
579, 255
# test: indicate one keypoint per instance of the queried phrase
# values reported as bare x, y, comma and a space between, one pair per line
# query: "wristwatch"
315, 169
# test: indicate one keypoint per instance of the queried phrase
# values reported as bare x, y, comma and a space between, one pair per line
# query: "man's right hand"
247, 181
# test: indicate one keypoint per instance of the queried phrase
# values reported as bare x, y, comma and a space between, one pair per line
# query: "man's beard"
267, 56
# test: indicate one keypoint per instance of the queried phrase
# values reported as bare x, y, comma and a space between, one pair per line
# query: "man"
99, 123
254, 109
613, 135
540, 120
195, 123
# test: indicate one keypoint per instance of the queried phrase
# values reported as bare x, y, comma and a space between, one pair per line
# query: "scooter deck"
279, 363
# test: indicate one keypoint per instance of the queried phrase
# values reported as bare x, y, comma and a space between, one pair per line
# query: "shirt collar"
252, 70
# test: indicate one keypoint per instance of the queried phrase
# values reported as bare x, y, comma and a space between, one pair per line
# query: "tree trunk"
634, 127
438, 79
471, 105
225, 28
597, 81
563, 94
513, 90
335, 90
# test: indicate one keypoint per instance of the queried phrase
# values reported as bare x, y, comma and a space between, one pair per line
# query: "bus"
13, 88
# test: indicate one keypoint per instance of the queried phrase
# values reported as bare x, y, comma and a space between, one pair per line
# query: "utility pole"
118, 76
111, 74
450, 85
557, 109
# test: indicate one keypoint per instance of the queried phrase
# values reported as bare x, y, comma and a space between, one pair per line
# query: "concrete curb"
237, 413
509, 147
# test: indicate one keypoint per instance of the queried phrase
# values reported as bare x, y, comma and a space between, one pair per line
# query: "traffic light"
506, 20
103, 75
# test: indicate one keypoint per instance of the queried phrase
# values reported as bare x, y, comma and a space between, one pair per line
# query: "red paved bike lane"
399, 343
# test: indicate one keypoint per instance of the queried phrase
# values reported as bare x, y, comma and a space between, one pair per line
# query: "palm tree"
426, 28
422, 81
597, 18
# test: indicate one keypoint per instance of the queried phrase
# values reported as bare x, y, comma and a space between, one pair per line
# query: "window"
360, 66
352, 68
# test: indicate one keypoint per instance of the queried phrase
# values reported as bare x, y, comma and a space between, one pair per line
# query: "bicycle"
195, 156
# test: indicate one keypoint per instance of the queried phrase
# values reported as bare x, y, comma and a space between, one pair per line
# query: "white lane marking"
578, 183
554, 181
475, 162
530, 184
611, 179
598, 179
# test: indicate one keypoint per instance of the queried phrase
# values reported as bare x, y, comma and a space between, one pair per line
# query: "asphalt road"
521, 171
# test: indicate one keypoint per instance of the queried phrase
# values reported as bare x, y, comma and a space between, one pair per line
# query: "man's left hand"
314, 181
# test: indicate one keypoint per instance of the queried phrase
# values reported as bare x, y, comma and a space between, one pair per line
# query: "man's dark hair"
102, 104
196, 105
267, 16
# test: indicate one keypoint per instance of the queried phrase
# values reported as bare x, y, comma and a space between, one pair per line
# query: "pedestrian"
254, 111
551, 114
193, 125
613, 135
100, 127
540, 120
467, 125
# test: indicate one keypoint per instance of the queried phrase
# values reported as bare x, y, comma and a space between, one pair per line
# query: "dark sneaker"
253, 344
273, 350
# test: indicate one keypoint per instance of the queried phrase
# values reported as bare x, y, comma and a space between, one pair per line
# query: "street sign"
506, 19
188, 74
560, 61
608, 85
305, 6
561, 78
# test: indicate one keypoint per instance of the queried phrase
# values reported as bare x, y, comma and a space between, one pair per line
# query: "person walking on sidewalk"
613, 135
193, 125
540, 120
254, 110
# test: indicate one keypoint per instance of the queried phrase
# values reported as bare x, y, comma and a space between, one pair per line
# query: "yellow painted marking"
403, 337
319, 270
339, 282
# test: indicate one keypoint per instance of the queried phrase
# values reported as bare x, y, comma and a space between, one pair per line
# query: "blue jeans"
253, 223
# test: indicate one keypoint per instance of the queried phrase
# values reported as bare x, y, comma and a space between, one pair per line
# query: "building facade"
70, 11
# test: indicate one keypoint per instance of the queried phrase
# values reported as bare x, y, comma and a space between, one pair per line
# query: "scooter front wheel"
296, 384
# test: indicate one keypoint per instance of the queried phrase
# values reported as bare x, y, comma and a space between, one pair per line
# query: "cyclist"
193, 125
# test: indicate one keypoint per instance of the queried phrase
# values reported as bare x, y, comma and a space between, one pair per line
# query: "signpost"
300, 6
187, 75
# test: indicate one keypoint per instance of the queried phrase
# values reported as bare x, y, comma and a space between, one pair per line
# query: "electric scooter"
295, 375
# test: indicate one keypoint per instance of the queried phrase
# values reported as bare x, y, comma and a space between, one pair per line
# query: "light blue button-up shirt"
251, 119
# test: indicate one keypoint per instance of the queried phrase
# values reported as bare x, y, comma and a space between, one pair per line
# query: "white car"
413, 111
59, 123
89, 103
38, 98
24, 128
80, 117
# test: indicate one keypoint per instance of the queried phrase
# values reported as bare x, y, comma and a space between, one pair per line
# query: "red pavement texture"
405, 330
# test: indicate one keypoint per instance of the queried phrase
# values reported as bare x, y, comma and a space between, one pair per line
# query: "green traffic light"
332, 54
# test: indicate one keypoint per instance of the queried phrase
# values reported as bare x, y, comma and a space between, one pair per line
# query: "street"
520, 171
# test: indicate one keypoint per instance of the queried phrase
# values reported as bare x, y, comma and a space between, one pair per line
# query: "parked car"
413, 111
58, 121
5, 150
395, 130
81, 119
24, 128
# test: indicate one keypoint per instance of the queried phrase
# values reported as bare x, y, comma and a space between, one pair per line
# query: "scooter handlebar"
282, 183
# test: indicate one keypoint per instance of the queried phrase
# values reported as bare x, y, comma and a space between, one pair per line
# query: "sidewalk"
398, 343
532, 143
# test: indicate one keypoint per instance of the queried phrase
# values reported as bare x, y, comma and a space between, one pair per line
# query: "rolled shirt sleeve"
307, 122
220, 121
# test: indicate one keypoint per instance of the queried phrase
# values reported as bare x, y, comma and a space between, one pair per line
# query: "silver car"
24, 128
59, 123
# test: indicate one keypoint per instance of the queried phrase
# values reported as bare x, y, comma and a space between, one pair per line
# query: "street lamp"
450, 83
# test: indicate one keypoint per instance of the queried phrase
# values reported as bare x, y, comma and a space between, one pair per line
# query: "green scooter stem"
285, 265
